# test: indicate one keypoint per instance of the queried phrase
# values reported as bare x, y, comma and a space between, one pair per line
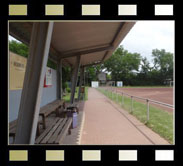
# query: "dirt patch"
164, 95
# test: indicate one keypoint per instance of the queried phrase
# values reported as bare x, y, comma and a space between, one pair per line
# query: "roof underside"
94, 41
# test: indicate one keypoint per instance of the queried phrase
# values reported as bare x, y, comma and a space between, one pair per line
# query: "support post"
84, 77
59, 80
147, 110
131, 104
117, 97
74, 78
33, 83
122, 99
80, 82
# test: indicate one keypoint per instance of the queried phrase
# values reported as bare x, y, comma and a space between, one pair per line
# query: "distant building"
102, 77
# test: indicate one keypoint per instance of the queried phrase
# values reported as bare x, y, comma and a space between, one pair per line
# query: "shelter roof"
94, 41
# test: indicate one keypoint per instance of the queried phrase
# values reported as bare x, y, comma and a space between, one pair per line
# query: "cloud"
148, 35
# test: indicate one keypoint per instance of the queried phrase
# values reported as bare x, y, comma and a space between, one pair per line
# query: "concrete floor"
107, 123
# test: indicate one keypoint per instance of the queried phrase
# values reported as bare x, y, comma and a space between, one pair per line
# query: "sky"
148, 35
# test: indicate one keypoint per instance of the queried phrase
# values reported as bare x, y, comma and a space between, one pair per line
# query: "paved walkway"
106, 123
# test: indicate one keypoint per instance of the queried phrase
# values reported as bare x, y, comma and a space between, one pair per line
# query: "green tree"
163, 61
143, 77
92, 72
122, 65
23, 50
19, 48
145, 66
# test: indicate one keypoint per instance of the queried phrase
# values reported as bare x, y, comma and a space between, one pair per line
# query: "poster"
17, 65
48, 77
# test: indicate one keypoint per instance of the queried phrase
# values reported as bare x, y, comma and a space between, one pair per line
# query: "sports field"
159, 119
161, 94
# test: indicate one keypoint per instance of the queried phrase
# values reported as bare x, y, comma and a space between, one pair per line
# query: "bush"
68, 90
64, 85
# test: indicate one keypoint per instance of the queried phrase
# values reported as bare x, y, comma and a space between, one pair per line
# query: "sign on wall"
17, 65
48, 77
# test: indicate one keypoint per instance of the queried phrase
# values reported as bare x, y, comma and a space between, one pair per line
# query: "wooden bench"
71, 107
49, 109
56, 132
12, 129
44, 112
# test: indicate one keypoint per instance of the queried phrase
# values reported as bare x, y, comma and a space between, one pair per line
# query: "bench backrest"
51, 107
12, 124
46, 110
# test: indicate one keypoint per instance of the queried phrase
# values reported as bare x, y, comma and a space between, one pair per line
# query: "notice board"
48, 77
17, 67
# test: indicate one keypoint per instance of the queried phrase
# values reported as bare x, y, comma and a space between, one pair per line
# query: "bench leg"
13, 139
38, 130
44, 122
57, 111
64, 105
77, 110
69, 131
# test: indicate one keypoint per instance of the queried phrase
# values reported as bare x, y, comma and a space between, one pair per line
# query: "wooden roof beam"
92, 50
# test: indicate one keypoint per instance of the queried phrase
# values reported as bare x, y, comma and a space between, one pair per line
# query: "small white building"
94, 84
119, 83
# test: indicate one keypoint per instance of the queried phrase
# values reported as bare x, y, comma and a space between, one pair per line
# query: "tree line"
131, 68
135, 70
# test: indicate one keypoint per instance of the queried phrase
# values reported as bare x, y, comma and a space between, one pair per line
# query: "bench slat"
55, 135
12, 131
44, 141
63, 132
44, 111
51, 107
38, 140
12, 124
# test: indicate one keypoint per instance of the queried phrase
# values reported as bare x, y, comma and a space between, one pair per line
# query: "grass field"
159, 121
67, 96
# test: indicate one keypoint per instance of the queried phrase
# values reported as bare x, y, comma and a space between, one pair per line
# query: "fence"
148, 101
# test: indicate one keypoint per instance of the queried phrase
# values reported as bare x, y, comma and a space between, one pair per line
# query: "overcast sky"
148, 35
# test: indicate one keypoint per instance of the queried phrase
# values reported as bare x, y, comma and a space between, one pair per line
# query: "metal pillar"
81, 81
131, 104
33, 83
122, 99
74, 78
84, 77
147, 110
59, 80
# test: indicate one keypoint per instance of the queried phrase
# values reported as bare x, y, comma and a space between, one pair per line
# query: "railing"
132, 100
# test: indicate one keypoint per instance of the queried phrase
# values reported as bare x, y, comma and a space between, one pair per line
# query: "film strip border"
90, 10
91, 155
81, 155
